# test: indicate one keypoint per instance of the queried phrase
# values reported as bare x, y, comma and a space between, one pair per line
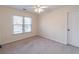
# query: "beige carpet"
37, 45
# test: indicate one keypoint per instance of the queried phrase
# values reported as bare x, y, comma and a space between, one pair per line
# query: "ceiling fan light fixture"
39, 10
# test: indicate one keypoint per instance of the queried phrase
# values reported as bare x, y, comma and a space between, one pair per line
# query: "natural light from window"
21, 24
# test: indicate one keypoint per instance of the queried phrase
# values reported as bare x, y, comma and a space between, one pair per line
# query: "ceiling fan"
37, 8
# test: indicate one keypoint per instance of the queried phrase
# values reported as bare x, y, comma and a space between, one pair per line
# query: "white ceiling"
30, 7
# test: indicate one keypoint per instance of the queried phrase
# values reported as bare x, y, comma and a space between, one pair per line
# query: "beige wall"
53, 24
6, 15
0, 33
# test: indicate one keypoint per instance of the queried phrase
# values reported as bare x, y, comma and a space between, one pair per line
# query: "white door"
73, 28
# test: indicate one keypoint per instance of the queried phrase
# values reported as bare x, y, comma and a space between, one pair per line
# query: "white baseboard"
51, 38
3, 43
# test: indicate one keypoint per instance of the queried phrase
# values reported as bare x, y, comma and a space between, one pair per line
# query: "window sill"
22, 33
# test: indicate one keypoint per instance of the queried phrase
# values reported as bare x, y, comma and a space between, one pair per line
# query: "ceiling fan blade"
32, 7
44, 7
39, 6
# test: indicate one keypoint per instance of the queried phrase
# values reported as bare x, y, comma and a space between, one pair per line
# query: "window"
27, 24
21, 24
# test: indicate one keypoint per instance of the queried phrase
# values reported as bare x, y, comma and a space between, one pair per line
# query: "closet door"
73, 28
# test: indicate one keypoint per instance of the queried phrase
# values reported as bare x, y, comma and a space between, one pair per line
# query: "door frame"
68, 21
67, 28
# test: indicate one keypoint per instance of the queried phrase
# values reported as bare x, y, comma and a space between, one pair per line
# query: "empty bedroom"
39, 29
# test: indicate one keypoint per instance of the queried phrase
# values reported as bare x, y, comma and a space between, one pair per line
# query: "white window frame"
23, 26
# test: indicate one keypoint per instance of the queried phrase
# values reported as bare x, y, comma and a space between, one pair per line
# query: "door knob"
68, 29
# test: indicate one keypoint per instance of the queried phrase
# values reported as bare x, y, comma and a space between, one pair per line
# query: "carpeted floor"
37, 45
